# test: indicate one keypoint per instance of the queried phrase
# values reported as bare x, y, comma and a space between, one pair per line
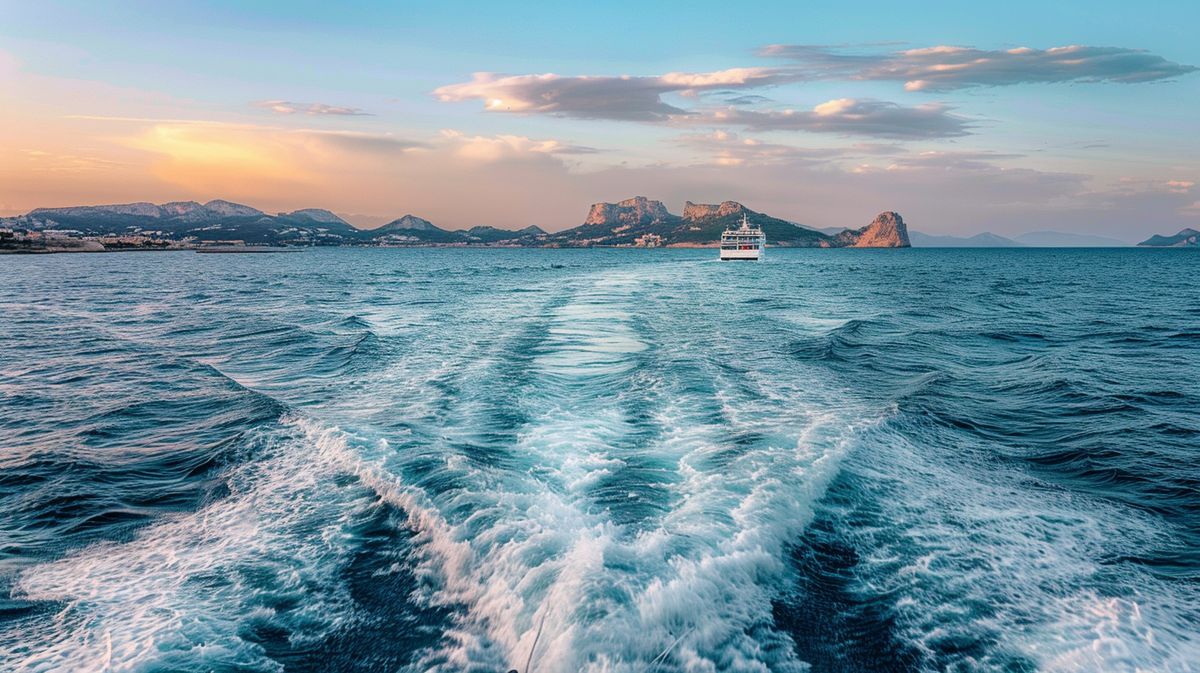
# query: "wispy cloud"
367, 142
945, 68
507, 147
747, 99
345, 139
729, 149
52, 162
287, 107
849, 116
586, 97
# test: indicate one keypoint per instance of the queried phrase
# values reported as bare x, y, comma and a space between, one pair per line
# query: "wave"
193, 583
119, 459
943, 563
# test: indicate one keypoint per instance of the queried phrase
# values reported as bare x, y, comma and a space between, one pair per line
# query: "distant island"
1032, 239
635, 222
1186, 238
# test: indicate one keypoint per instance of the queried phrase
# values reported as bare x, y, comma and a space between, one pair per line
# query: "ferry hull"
741, 255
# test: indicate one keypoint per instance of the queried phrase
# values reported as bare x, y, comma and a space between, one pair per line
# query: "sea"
601, 460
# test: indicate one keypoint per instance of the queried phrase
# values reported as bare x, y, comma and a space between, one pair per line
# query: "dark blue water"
408, 460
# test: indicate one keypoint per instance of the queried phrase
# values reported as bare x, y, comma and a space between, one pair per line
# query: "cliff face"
631, 220
700, 211
636, 211
887, 230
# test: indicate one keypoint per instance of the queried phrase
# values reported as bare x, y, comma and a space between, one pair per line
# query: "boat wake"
598, 472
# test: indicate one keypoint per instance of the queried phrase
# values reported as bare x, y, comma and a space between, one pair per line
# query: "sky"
964, 117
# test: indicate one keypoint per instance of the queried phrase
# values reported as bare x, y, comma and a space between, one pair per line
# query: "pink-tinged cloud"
623, 98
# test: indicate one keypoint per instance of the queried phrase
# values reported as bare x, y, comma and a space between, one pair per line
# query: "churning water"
413, 460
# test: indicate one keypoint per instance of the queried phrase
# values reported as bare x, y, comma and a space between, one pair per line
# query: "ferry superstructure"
745, 242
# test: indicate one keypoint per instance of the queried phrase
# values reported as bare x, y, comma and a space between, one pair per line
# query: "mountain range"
635, 221
213, 221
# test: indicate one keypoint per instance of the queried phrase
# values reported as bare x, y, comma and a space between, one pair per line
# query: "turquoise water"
408, 460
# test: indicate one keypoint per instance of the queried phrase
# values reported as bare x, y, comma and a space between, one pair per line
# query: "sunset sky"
964, 117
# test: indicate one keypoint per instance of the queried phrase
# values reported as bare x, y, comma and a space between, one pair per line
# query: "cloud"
957, 161
961, 181
496, 148
720, 78
586, 97
619, 98
729, 149
40, 161
209, 157
285, 107
945, 68
1157, 205
242, 160
366, 142
747, 99
879, 149
850, 116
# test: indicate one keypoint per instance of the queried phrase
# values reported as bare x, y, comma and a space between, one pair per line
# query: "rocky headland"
1186, 238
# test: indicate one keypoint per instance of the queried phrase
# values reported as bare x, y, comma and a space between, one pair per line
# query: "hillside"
226, 221
216, 220
629, 222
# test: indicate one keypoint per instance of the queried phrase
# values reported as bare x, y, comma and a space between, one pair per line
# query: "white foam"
699, 582
979, 552
177, 590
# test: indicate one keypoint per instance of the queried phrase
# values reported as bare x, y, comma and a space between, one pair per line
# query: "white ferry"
745, 242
